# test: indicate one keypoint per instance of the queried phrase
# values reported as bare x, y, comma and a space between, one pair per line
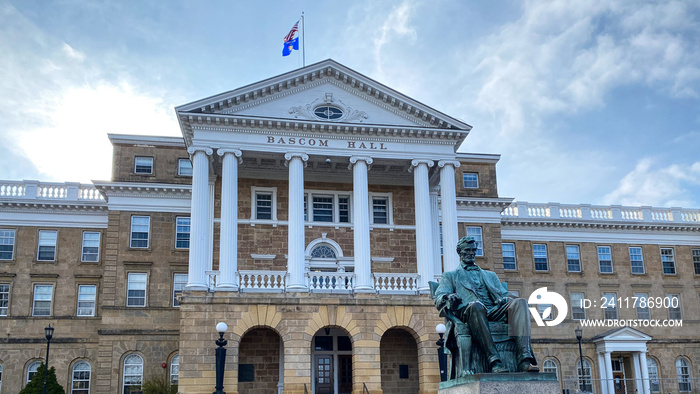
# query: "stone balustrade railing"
396, 283
34, 190
262, 281
618, 213
334, 282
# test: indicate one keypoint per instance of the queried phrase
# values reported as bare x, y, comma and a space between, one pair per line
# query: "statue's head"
466, 248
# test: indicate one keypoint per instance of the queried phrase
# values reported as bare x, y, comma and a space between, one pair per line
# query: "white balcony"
611, 213
35, 190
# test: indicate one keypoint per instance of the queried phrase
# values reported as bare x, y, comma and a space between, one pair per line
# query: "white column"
603, 376
295, 238
210, 228
448, 195
608, 373
199, 217
435, 226
360, 222
639, 386
424, 242
645, 372
228, 238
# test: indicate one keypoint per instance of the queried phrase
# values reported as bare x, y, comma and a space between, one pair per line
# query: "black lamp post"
220, 358
579, 335
49, 334
442, 358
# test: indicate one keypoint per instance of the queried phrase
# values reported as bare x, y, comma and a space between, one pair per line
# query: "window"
143, 165
605, 259
179, 283
43, 295
32, 369
508, 256
47, 245
610, 306
184, 167
584, 376
91, 246
174, 369
136, 289
140, 226
344, 209
683, 372
471, 180
674, 307
263, 206
578, 312
636, 260
573, 258
4, 298
7, 244
696, 261
545, 310
87, 295
182, 233
380, 210
475, 232
322, 208
81, 378
550, 366
643, 312
323, 251
539, 251
133, 373
653, 369
668, 262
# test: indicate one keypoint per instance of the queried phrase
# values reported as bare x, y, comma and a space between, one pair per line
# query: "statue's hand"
453, 301
502, 301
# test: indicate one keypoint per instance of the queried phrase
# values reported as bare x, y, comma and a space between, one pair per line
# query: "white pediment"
622, 339
623, 334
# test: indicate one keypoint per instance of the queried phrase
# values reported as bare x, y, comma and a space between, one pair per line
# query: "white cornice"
131, 189
146, 140
478, 157
491, 204
74, 208
568, 224
599, 235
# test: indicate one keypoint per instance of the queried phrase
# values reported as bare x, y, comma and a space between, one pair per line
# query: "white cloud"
72, 53
396, 26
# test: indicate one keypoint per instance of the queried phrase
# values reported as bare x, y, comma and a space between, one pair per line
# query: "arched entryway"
259, 362
331, 365
399, 360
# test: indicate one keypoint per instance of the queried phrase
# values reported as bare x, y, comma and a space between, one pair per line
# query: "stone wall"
261, 348
398, 350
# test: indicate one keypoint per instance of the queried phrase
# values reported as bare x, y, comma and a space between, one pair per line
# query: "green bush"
158, 385
36, 386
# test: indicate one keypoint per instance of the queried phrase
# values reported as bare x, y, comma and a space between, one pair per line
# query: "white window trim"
254, 204
639, 297
131, 232
308, 195
174, 290
14, 241
29, 367
145, 293
72, 375
673, 255
39, 245
189, 241
680, 305
534, 262
390, 210
464, 185
176, 356
644, 269
583, 297
144, 157
481, 241
179, 173
515, 256
82, 247
124, 369
615, 308
612, 264
578, 248
9, 301
94, 301
34, 299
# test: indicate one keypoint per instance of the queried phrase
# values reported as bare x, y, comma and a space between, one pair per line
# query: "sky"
594, 101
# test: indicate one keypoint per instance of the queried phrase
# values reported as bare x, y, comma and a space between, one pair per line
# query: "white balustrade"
12, 189
330, 282
49, 191
602, 213
511, 210
262, 281
538, 211
396, 283
570, 211
89, 192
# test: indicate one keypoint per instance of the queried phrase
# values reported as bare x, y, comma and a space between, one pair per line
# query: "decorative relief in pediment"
328, 109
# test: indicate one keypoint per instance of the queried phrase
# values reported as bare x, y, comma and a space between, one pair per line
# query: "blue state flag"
289, 46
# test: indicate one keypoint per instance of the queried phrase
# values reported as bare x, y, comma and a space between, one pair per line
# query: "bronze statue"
470, 298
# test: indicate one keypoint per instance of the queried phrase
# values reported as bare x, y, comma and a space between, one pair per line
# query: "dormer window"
143, 165
328, 112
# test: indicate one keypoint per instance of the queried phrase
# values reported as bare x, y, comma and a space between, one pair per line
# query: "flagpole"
303, 44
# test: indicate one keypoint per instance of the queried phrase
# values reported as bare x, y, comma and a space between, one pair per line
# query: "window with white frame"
653, 369
668, 261
136, 289
143, 165
323, 251
539, 252
182, 232
46, 250
573, 258
80, 382
4, 298
132, 373
605, 259
642, 306
263, 205
91, 246
578, 312
674, 307
636, 260
174, 369
696, 261
610, 306
380, 210
140, 229
322, 208
184, 167
550, 366
475, 232
344, 209
43, 297
7, 244
585, 378
87, 299
683, 373
509, 256
471, 180
32, 370
179, 283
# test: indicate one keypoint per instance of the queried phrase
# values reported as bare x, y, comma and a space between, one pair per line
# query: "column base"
364, 289
226, 288
197, 287
297, 288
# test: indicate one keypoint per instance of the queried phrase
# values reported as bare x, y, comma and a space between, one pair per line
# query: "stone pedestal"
498, 383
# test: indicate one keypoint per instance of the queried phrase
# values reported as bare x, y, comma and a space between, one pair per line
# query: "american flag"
290, 35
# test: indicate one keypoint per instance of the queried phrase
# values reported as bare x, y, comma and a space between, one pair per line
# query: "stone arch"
257, 316
333, 316
399, 358
323, 240
72, 365
260, 362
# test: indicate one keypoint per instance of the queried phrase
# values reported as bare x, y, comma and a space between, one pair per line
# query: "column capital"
208, 151
290, 155
454, 163
417, 162
354, 159
236, 152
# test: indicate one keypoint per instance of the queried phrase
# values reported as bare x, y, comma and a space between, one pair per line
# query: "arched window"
653, 369
133, 373
323, 251
550, 366
174, 369
683, 372
81, 378
31, 370
0, 378
584, 376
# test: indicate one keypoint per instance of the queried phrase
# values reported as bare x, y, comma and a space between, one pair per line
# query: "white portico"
613, 348
321, 123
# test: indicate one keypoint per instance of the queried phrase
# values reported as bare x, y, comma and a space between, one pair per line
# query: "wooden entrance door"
345, 374
619, 382
324, 374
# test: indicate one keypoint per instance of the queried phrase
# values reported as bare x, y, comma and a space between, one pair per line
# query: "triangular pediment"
622, 334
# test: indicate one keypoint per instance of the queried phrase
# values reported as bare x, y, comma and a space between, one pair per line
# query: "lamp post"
442, 358
579, 335
220, 358
48, 331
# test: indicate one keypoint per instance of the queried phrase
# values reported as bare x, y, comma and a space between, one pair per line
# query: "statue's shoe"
498, 367
526, 366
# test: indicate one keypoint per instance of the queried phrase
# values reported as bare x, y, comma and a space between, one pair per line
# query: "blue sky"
587, 101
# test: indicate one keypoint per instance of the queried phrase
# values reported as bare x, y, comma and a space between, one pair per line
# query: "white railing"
396, 283
525, 210
334, 282
33, 190
262, 281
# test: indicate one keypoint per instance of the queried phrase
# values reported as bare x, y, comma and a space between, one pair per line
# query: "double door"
325, 374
